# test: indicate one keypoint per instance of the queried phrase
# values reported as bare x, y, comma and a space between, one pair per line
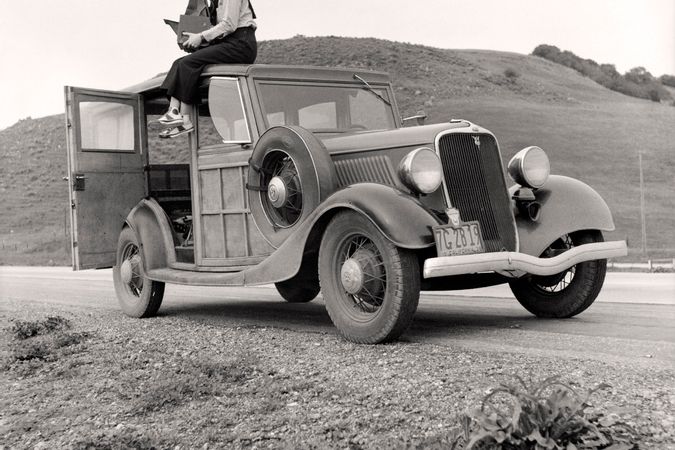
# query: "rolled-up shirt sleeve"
229, 22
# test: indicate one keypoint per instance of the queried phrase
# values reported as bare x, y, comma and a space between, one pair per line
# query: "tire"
294, 292
568, 293
290, 173
137, 295
370, 286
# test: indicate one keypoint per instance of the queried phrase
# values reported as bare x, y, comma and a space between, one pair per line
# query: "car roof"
273, 72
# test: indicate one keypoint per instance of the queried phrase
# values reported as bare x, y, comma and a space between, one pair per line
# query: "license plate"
462, 239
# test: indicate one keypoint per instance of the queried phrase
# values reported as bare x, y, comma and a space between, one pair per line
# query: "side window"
226, 107
107, 126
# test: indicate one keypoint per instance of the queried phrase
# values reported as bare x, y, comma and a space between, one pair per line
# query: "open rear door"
106, 158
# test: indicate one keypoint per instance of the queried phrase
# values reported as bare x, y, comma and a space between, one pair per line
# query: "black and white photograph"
252, 224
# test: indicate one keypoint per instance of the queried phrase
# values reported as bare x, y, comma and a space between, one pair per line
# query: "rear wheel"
137, 295
370, 286
294, 292
569, 292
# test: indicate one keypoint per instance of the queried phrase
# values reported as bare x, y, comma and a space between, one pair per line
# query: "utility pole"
642, 208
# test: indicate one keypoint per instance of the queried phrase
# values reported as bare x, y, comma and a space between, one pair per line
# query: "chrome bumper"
514, 264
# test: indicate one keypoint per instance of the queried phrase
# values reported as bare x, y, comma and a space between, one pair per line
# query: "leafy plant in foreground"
547, 415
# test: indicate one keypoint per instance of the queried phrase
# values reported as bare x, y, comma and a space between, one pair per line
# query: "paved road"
633, 320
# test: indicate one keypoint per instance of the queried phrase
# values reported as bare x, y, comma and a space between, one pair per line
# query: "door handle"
78, 183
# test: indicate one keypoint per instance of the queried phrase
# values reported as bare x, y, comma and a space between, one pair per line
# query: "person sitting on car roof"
230, 41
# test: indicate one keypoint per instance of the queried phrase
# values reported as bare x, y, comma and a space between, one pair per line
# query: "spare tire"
290, 173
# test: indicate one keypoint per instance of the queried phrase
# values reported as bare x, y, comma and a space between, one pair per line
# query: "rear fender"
567, 205
153, 231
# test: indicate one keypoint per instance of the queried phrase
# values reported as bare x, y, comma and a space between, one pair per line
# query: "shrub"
511, 74
668, 80
637, 82
545, 415
26, 329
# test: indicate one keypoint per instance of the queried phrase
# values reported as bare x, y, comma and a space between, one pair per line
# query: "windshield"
326, 108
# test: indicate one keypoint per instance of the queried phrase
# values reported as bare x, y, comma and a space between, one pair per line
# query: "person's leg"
173, 116
182, 81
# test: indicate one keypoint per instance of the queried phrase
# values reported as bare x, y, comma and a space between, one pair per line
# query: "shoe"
172, 117
174, 132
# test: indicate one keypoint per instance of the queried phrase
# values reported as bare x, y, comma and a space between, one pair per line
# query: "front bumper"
515, 265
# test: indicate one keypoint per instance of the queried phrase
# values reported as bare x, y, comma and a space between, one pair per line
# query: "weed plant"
546, 415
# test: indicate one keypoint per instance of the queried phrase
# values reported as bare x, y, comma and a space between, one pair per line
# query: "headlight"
530, 167
421, 170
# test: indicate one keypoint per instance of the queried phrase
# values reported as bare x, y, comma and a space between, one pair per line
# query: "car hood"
400, 137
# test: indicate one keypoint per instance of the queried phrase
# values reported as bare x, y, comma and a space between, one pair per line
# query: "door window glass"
227, 110
107, 126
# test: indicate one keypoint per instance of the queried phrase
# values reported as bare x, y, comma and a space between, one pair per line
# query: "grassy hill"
589, 132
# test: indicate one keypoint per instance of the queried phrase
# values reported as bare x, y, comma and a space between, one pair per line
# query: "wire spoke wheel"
362, 272
283, 199
558, 282
137, 295
131, 272
370, 286
569, 292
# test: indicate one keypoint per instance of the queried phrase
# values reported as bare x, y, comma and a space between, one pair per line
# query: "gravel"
170, 382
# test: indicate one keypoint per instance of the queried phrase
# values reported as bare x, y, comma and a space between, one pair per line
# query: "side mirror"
421, 116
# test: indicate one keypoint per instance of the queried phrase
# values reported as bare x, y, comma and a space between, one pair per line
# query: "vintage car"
306, 177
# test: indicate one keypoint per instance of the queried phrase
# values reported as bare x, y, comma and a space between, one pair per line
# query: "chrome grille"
475, 186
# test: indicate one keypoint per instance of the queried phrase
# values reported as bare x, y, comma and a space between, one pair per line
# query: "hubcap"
351, 276
277, 192
130, 270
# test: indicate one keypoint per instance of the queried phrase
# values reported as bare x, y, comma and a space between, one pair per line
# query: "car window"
325, 108
226, 108
107, 126
318, 116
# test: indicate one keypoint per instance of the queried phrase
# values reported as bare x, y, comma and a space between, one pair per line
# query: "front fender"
153, 231
567, 205
399, 216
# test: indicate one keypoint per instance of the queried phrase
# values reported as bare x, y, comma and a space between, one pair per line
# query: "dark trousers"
182, 81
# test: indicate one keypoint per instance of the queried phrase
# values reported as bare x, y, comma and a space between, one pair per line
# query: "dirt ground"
107, 381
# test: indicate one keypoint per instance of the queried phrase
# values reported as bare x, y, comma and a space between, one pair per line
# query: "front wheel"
370, 286
567, 293
137, 295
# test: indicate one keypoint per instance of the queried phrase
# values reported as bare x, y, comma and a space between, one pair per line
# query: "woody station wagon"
307, 178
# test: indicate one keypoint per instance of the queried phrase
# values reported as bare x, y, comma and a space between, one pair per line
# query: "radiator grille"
373, 169
476, 187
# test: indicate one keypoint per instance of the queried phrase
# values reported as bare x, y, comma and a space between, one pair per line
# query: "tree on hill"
668, 80
637, 82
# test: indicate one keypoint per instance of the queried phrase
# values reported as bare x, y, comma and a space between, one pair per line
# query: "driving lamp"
530, 167
421, 170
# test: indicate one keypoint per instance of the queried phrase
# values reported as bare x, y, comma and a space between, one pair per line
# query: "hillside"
590, 133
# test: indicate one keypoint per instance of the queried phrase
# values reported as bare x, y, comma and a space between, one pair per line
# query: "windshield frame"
391, 110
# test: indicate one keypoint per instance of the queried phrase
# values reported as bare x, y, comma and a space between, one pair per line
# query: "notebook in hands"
189, 24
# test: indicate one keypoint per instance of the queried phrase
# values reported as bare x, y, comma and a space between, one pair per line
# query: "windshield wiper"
369, 88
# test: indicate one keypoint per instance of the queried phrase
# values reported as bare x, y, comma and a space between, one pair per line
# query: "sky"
111, 44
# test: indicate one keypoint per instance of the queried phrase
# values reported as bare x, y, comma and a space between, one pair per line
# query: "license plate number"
463, 239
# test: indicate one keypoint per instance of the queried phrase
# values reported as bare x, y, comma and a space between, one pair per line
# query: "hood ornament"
453, 216
476, 140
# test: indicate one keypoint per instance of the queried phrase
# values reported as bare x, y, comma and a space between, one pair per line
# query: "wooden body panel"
229, 236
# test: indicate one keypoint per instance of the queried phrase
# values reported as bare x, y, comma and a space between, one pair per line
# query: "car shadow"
447, 319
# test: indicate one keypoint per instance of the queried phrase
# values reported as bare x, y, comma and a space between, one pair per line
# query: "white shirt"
232, 14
